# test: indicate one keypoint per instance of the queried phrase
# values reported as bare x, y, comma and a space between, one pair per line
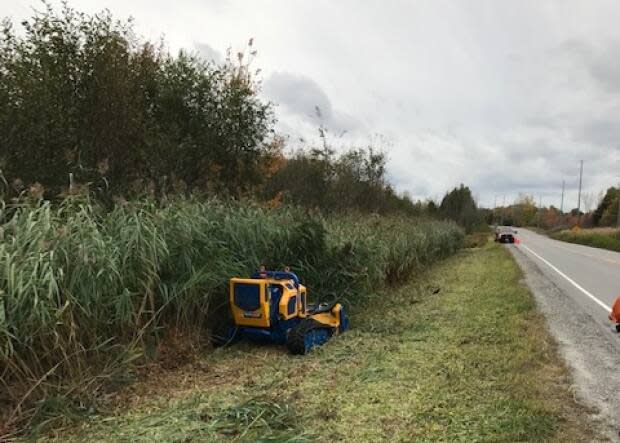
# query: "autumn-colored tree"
355, 179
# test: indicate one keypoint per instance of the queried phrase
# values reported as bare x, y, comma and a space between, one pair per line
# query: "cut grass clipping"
461, 355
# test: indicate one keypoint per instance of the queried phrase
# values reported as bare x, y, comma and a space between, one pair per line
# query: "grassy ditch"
604, 238
86, 293
460, 354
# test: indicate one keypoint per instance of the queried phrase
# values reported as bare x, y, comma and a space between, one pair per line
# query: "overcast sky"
504, 96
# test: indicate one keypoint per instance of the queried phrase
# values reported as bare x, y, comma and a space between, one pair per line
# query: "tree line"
525, 212
87, 106
84, 101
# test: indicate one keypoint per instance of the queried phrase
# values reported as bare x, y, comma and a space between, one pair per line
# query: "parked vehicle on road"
504, 234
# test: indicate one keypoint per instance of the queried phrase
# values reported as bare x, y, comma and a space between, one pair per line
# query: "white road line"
556, 244
570, 280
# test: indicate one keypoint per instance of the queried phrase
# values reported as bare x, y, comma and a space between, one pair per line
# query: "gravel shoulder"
591, 353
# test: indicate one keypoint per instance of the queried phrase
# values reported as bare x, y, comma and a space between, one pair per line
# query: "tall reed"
81, 288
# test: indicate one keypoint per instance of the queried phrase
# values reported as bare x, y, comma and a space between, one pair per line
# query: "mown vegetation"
458, 354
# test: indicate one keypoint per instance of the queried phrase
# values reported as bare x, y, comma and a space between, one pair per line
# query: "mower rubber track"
296, 342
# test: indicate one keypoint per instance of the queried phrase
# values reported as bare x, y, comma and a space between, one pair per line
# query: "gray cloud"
603, 65
605, 132
208, 53
304, 98
598, 59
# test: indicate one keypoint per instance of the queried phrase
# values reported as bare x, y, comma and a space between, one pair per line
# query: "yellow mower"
272, 307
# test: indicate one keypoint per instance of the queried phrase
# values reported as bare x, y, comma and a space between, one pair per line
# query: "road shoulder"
593, 359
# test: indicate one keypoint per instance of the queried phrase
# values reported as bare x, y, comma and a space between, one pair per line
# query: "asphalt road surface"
575, 287
589, 275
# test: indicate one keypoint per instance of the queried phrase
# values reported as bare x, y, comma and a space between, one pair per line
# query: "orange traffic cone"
614, 315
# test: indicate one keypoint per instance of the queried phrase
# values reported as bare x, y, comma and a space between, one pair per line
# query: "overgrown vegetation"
135, 183
476, 240
85, 291
607, 212
458, 354
85, 104
81, 96
354, 180
605, 238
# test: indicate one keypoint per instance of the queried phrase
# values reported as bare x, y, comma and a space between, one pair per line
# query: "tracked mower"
272, 307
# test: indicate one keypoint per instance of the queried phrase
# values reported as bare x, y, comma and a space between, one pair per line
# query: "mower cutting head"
272, 307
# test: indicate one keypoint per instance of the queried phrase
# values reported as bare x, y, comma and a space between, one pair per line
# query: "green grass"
459, 354
86, 292
604, 238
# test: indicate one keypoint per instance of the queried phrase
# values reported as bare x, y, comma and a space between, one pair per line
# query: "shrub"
604, 238
476, 240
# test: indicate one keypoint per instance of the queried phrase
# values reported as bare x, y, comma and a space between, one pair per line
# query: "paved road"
574, 287
590, 276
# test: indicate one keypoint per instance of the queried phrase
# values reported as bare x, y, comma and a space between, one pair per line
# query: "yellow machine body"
292, 302
272, 307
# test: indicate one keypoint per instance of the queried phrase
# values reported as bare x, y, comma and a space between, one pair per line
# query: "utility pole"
503, 209
562, 204
539, 210
579, 195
